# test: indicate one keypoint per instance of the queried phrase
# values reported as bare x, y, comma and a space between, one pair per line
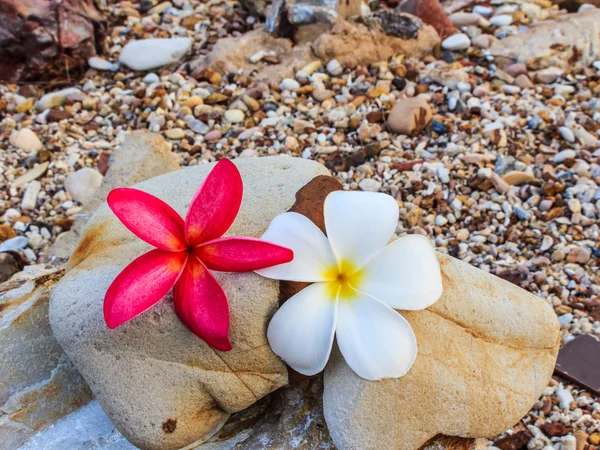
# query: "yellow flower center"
342, 279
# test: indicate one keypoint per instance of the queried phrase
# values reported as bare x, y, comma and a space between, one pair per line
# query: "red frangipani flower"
185, 251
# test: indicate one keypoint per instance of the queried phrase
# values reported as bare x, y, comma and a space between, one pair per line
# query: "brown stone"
554, 429
6, 232
56, 115
516, 441
42, 40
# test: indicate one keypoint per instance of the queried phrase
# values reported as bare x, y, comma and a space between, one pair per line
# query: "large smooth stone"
486, 351
160, 385
148, 54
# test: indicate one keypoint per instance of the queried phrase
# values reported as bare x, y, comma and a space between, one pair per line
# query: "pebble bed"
505, 176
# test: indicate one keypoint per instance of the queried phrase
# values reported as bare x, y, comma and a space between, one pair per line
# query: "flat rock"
38, 384
571, 41
486, 351
148, 54
353, 44
161, 386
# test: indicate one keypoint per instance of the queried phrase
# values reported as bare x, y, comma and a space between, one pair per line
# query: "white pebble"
334, 67
148, 54
95, 62
564, 397
485, 11
151, 78
14, 244
370, 185
234, 115
31, 194
289, 84
502, 20
458, 41
567, 134
565, 154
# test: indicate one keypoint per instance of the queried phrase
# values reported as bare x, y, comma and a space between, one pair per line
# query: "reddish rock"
56, 115
554, 429
430, 12
516, 441
405, 167
42, 40
310, 201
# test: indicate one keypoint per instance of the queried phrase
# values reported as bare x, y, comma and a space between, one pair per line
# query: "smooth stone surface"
161, 386
148, 54
464, 19
26, 139
95, 62
502, 20
38, 384
548, 75
486, 352
458, 41
83, 184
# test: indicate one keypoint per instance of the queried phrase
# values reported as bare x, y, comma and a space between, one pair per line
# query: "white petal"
301, 331
312, 253
359, 224
375, 340
404, 275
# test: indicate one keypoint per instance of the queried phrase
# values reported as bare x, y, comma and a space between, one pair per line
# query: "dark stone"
56, 115
8, 266
579, 361
554, 429
516, 441
439, 127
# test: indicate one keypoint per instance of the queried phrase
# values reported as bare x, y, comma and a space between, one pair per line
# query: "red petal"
202, 305
242, 254
215, 204
141, 285
149, 218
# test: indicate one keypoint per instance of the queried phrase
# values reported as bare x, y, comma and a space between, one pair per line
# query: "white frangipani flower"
357, 280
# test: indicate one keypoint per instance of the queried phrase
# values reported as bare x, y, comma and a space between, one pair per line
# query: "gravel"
448, 178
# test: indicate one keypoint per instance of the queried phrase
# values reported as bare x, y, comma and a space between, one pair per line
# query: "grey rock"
153, 370
38, 384
14, 244
83, 184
